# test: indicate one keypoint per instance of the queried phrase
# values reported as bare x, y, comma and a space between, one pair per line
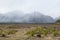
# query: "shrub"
11, 32
38, 31
56, 33
1, 31
31, 33
44, 31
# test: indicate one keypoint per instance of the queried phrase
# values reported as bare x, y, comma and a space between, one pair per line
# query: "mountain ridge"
20, 17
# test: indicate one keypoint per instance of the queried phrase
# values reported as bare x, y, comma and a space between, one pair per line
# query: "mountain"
20, 17
37, 17
10, 17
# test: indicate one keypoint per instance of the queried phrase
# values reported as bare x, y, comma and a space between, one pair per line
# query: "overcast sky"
47, 7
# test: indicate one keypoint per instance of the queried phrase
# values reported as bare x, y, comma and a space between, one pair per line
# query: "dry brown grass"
23, 28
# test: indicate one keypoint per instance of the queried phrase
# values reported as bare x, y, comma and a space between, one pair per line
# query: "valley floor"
23, 28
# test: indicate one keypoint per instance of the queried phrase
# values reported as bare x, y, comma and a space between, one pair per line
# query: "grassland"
29, 31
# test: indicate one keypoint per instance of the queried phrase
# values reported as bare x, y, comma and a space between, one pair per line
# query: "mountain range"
20, 17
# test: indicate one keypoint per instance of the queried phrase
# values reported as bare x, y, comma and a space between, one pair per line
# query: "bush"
31, 33
44, 31
56, 33
7, 31
11, 32
1, 31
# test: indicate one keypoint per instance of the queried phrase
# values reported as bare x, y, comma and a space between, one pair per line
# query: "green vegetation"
11, 32
7, 32
31, 33
44, 31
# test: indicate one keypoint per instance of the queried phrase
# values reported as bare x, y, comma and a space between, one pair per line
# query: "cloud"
47, 7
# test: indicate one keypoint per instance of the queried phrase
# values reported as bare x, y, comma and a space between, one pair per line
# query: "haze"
47, 7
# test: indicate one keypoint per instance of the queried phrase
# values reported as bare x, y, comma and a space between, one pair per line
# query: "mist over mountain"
20, 17
36, 17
